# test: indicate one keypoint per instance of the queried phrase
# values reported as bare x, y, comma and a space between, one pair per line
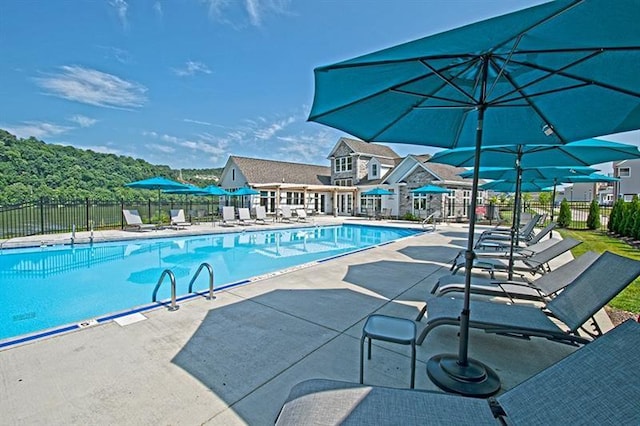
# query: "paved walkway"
233, 360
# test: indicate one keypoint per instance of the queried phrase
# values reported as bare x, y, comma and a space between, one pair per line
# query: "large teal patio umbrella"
159, 183
377, 191
558, 72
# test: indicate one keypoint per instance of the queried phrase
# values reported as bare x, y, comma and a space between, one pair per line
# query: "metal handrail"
172, 277
203, 265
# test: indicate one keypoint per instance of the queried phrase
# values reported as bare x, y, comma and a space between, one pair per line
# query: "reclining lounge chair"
244, 216
595, 385
574, 306
524, 233
540, 289
134, 221
229, 216
178, 220
536, 264
261, 215
501, 244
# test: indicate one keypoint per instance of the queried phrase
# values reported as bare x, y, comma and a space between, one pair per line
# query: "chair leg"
362, 359
369, 353
413, 364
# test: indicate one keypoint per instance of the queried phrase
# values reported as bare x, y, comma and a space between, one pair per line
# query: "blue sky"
187, 83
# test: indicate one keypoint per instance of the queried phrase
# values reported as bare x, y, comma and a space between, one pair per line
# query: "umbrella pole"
515, 223
460, 374
553, 202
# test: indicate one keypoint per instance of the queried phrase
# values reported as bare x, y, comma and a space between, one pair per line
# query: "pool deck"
233, 360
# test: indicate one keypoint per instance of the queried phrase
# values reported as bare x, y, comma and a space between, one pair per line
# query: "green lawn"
629, 299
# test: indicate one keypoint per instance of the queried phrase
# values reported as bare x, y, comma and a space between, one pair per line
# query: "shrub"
564, 217
593, 220
614, 216
629, 217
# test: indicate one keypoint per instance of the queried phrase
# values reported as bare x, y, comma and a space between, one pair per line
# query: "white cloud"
37, 129
93, 87
121, 8
82, 121
162, 148
204, 123
247, 12
191, 68
157, 7
120, 55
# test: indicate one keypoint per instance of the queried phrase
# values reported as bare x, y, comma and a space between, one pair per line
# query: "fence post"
149, 208
87, 212
121, 213
42, 215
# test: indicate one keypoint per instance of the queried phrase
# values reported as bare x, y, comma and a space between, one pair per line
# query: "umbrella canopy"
244, 191
158, 183
378, 191
536, 73
581, 153
430, 189
528, 174
510, 186
215, 191
187, 190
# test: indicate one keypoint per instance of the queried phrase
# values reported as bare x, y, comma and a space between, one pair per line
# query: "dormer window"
343, 164
374, 170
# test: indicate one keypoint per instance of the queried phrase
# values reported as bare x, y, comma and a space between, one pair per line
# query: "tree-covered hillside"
30, 169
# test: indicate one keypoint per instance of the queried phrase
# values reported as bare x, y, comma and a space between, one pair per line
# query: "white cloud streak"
82, 121
203, 123
191, 68
239, 14
93, 87
37, 129
121, 8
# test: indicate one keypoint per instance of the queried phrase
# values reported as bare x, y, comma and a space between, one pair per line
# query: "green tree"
544, 198
564, 217
629, 217
616, 216
593, 220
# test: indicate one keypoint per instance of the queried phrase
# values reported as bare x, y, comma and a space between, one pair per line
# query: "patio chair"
261, 215
285, 213
519, 252
524, 233
244, 216
228, 216
302, 215
134, 221
597, 384
489, 243
585, 295
541, 289
535, 264
178, 220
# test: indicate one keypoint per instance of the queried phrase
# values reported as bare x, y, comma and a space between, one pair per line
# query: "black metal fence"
56, 216
50, 216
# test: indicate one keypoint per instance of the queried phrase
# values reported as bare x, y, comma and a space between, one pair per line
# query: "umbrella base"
475, 379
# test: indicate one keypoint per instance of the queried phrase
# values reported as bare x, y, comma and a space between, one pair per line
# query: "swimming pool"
48, 287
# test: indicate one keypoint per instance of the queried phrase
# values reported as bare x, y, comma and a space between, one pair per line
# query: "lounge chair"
589, 292
261, 215
519, 252
302, 215
524, 233
134, 221
489, 243
229, 216
535, 264
432, 218
597, 384
285, 213
244, 216
178, 220
540, 289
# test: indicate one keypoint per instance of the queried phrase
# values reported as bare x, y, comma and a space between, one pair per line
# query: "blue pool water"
43, 288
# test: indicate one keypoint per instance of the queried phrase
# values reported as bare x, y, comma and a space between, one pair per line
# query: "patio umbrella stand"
534, 75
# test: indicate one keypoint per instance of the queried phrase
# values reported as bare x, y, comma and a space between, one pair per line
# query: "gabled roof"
369, 149
270, 171
446, 172
442, 172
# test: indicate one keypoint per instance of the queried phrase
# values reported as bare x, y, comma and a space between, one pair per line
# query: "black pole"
515, 227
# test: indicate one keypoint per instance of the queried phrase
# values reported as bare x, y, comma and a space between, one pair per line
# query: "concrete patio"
233, 360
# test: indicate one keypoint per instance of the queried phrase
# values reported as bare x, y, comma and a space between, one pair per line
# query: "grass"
629, 299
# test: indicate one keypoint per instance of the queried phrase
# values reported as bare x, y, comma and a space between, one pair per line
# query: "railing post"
149, 208
42, 215
87, 212
121, 214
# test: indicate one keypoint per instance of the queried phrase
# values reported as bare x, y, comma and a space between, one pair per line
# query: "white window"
374, 170
343, 164
295, 198
624, 172
344, 182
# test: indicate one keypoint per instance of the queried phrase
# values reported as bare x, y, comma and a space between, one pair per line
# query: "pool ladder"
172, 278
